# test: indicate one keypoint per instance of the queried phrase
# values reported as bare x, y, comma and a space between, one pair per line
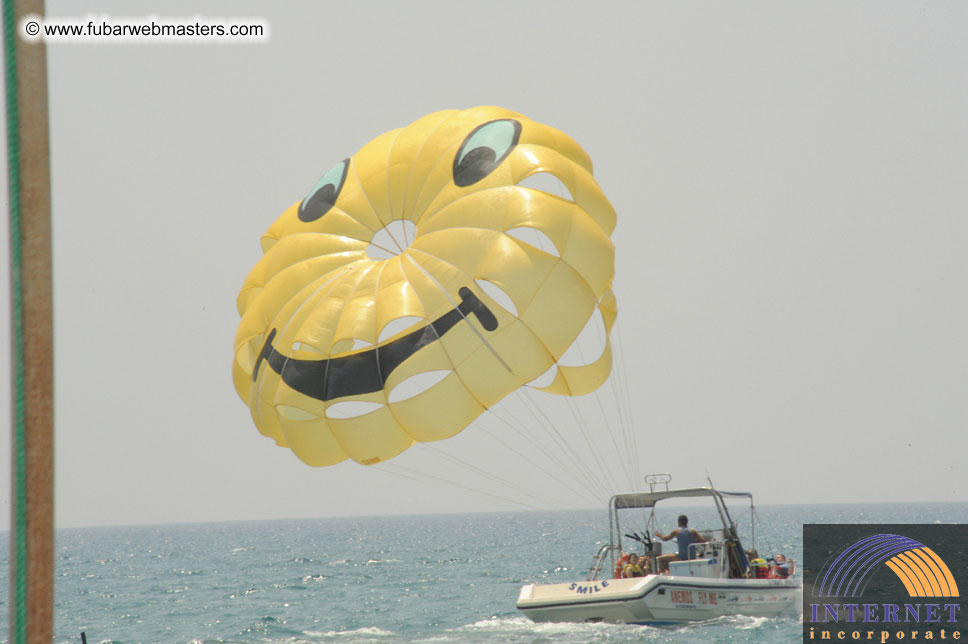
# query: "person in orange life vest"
782, 568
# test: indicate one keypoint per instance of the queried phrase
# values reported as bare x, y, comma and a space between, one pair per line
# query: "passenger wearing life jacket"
685, 536
760, 568
633, 569
782, 568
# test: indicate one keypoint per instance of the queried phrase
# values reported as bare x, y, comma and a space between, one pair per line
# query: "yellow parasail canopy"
418, 284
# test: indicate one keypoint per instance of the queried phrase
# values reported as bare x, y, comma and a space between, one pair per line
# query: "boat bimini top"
649, 499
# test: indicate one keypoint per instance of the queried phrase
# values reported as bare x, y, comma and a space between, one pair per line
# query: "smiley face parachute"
403, 296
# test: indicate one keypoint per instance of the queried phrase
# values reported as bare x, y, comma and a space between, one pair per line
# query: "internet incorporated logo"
906, 586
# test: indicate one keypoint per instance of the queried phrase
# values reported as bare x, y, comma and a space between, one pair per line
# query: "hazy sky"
791, 248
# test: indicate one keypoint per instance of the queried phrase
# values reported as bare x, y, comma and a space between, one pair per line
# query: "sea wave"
356, 635
520, 630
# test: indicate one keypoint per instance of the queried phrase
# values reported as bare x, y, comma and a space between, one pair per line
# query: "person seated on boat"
685, 537
761, 570
782, 568
633, 569
645, 564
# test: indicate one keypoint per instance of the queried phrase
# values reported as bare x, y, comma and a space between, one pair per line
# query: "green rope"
18, 611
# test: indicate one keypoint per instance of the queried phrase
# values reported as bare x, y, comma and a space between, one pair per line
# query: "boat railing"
598, 561
705, 550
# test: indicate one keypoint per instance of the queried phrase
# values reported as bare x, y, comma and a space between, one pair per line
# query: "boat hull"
658, 599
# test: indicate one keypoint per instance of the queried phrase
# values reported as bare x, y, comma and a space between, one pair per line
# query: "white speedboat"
718, 579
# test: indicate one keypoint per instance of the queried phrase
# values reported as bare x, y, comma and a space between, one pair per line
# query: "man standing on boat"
685, 536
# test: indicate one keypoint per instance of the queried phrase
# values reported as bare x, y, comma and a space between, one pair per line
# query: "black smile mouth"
366, 372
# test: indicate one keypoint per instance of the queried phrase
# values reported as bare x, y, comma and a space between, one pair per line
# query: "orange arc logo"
923, 573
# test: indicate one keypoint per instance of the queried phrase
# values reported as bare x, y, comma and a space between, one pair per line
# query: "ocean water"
414, 579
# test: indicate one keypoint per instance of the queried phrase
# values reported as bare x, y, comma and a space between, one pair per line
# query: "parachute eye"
484, 149
323, 195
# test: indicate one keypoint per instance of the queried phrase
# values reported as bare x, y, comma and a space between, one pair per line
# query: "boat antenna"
708, 478
655, 480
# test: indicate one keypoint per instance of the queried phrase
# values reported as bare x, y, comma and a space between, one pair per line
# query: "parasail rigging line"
538, 449
627, 460
624, 449
493, 477
587, 434
623, 402
406, 472
580, 466
542, 448
617, 383
593, 472
623, 460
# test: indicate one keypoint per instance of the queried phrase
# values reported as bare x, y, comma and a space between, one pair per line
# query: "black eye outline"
479, 161
323, 195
